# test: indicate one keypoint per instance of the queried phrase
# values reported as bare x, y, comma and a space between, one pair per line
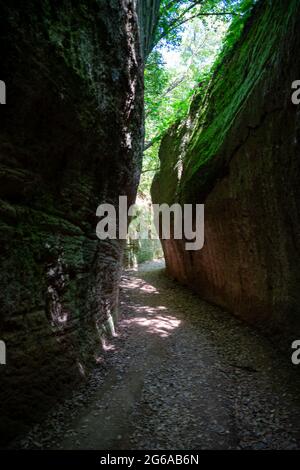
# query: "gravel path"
180, 374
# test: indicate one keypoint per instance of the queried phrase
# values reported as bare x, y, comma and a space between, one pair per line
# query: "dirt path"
181, 374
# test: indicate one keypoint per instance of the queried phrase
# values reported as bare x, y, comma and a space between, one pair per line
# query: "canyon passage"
181, 374
138, 343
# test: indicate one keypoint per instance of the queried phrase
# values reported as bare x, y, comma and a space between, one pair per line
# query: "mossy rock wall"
238, 152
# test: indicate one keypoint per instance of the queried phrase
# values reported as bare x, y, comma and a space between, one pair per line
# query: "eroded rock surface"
71, 138
238, 152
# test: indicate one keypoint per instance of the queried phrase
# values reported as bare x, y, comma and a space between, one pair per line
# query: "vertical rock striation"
238, 152
71, 139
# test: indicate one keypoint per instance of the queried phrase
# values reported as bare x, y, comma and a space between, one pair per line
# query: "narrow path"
181, 374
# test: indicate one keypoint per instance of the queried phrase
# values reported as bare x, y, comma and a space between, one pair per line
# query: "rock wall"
238, 152
70, 138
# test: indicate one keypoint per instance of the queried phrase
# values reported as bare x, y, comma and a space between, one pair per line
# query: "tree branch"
149, 144
150, 169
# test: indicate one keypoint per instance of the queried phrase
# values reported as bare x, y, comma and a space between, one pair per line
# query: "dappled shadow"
138, 283
183, 367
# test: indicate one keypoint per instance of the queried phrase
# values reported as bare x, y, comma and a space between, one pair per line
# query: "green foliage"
197, 30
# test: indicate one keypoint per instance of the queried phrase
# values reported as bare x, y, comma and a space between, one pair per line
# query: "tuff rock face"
71, 139
238, 152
